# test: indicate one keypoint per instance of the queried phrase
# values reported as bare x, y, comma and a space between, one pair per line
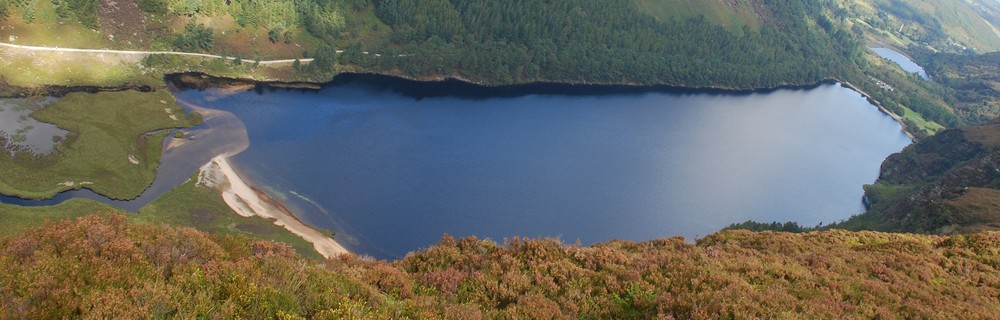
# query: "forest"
973, 81
501, 42
508, 41
611, 42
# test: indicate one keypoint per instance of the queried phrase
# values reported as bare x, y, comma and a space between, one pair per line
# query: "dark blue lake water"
392, 166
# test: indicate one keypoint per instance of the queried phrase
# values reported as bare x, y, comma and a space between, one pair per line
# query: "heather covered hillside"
101, 266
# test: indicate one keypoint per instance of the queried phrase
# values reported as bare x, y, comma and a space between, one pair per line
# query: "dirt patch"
123, 21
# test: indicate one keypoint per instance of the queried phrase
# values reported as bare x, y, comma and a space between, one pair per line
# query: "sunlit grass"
109, 150
14, 219
922, 124
27, 68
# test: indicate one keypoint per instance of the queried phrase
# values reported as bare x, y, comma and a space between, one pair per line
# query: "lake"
392, 165
901, 60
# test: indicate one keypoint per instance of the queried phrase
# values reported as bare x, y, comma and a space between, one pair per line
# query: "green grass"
881, 195
47, 29
32, 69
187, 205
168, 64
959, 23
14, 219
109, 130
202, 208
922, 124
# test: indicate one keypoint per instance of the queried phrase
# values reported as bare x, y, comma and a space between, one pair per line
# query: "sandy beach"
248, 201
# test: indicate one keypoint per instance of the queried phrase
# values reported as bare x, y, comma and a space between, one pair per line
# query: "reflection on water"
21, 131
902, 61
392, 172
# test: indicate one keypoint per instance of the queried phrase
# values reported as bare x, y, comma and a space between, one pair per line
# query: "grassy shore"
195, 206
14, 219
114, 147
189, 206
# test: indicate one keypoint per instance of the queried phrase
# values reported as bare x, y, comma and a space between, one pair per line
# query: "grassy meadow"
113, 149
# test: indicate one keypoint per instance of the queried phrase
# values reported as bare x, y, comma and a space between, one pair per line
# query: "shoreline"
206, 80
877, 104
249, 201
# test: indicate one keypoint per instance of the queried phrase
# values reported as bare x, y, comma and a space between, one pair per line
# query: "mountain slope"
103, 267
947, 183
943, 25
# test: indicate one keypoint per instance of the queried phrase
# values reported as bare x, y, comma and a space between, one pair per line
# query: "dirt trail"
131, 52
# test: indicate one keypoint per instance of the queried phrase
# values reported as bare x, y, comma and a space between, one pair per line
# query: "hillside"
973, 81
92, 262
947, 183
729, 44
103, 267
941, 25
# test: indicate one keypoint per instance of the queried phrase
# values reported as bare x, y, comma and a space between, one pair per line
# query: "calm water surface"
391, 172
902, 61
24, 132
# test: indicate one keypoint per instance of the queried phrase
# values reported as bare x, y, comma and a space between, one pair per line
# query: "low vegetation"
38, 69
200, 207
113, 148
15, 219
187, 206
102, 267
944, 184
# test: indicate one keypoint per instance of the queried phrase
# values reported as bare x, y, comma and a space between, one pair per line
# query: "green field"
113, 149
922, 124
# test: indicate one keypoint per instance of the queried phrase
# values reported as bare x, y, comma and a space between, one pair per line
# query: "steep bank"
944, 184
948, 183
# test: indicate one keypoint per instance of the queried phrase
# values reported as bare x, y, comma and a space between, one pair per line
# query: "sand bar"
248, 201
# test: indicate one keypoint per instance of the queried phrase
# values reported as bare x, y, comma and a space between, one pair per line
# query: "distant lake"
392, 165
902, 61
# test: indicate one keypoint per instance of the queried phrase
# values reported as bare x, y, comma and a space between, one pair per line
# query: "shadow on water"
462, 89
